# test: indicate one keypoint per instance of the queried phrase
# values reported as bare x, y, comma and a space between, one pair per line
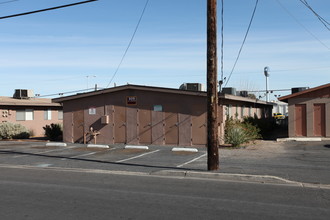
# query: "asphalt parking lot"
306, 162
113, 158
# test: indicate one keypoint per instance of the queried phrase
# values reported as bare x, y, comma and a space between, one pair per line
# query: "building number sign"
131, 100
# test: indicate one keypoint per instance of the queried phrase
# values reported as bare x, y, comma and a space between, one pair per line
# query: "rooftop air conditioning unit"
229, 90
298, 89
244, 93
23, 94
191, 86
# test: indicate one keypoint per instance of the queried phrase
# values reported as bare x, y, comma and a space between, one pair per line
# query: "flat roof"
244, 99
9, 101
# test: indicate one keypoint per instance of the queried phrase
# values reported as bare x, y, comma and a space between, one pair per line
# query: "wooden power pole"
212, 92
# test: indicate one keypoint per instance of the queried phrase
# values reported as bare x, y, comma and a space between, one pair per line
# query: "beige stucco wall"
36, 125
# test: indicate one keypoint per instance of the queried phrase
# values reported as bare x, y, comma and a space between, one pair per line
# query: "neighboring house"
143, 115
238, 107
309, 112
280, 107
33, 113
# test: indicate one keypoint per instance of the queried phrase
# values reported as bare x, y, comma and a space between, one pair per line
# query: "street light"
266, 72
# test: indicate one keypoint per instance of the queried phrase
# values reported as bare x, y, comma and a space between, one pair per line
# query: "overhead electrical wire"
129, 44
222, 41
63, 93
6, 2
240, 50
323, 21
47, 9
121, 61
303, 26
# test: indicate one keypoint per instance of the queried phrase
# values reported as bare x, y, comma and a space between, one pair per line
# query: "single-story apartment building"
309, 112
33, 113
145, 115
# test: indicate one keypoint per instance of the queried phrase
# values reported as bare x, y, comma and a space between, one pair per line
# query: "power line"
240, 50
6, 2
69, 92
296, 20
222, 43
323, 21
271, 90
129, 44
47, 9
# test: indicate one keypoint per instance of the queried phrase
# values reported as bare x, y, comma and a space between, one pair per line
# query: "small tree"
54, 132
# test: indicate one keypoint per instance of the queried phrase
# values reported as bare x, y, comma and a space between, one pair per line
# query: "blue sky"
54, 52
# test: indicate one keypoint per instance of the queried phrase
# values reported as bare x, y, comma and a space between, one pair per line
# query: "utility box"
105, 119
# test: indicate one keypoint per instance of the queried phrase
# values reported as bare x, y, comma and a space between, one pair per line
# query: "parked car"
278, 116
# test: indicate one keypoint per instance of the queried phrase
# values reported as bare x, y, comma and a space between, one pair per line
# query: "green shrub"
13, 131
237, 132
236, 136
54, 132
266, 126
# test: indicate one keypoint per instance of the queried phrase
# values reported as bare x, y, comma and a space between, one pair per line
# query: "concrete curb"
98, 146
265, 179
183, 174
56, 144
302, 139
136, 147
183, 149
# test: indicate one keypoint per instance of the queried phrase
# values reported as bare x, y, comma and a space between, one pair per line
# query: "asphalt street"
59, 193
264, 180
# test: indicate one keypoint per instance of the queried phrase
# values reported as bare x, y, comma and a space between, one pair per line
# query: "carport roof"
295, 95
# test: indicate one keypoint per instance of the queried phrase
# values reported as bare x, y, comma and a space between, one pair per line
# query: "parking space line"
82, 155
190, 161
43, 152
141, 155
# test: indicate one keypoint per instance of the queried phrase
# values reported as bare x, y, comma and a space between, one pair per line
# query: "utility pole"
212, 92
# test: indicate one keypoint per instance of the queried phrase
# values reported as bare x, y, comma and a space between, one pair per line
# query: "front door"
78, 126
319, 120
119, 124
300, 120
145, 126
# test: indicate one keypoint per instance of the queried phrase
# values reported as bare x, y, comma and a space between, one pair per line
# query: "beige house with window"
33, 113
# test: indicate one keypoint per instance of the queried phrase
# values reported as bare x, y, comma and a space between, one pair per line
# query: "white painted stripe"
97, 145
44, 165
136, 147
141, 155
190, 161
184, 149
42, 152
56, 144
83, 155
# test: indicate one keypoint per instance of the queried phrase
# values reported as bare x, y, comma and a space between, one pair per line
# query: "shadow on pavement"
98, 161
